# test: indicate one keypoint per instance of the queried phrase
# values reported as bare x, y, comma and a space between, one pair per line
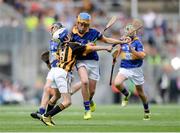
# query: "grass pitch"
109, 118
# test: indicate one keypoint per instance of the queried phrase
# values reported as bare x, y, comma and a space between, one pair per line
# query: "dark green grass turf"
109, 118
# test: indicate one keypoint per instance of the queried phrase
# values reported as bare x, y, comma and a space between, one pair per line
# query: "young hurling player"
49, 90
132, 55
52, 90
88, 66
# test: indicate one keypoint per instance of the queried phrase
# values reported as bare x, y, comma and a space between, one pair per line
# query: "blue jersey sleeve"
99, 35
52, 53
139, 46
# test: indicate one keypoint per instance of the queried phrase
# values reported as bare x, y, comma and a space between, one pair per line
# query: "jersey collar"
75, 31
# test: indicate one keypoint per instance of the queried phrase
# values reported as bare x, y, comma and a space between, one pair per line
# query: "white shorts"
134, 74
69, 81
92, 67
59, 78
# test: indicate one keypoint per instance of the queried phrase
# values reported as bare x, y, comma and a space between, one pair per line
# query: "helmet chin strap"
81, 32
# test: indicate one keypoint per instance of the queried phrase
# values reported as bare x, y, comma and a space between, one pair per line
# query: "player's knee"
117, 84
51, 91
52, 102
140, 94
84, 82
56, 98
92, 93
57, 95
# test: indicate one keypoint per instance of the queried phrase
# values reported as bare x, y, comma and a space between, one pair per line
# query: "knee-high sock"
55, 110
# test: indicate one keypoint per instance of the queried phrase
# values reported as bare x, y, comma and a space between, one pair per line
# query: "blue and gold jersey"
52, 53
128, 60
89, 36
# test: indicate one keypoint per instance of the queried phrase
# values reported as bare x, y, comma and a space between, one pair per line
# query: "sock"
49, 107
53, 112
125, 92
146, 107
91, 101
42, 110
87, 105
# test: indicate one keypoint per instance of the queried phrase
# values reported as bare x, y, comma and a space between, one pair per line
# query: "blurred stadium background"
24, 35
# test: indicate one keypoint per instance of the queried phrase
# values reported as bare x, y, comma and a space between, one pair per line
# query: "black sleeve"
77, 48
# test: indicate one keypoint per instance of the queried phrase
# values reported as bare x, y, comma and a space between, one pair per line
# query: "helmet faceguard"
128, 29
61, 35
55, 26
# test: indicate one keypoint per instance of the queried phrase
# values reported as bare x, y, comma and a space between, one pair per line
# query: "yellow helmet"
84, 18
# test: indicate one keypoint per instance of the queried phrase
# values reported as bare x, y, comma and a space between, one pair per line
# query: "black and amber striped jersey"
67, 54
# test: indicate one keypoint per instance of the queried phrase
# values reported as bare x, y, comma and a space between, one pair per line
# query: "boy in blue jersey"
132, 55
88, 66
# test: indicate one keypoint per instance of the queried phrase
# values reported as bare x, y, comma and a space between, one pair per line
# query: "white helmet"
60, 35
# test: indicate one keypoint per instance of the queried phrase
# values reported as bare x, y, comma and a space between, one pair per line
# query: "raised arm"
114, 41
91, 48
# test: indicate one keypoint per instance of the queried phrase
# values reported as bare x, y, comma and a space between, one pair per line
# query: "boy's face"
82, 27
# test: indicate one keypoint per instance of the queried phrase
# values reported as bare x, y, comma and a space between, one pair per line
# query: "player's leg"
118, 82
144, 100
94, 76
138, 79
44, 100
65, 103
52, 101
75, 87
83, 75
92, 88
54, 92
62, 84
47, 118
47, 91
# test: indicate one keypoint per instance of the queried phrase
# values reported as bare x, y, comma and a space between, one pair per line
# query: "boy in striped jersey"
49, 57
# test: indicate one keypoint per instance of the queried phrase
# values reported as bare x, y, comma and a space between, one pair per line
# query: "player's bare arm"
139, 55
114, 41
91, 47
98, 48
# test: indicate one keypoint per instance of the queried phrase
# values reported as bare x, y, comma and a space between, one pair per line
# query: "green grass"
109, 118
